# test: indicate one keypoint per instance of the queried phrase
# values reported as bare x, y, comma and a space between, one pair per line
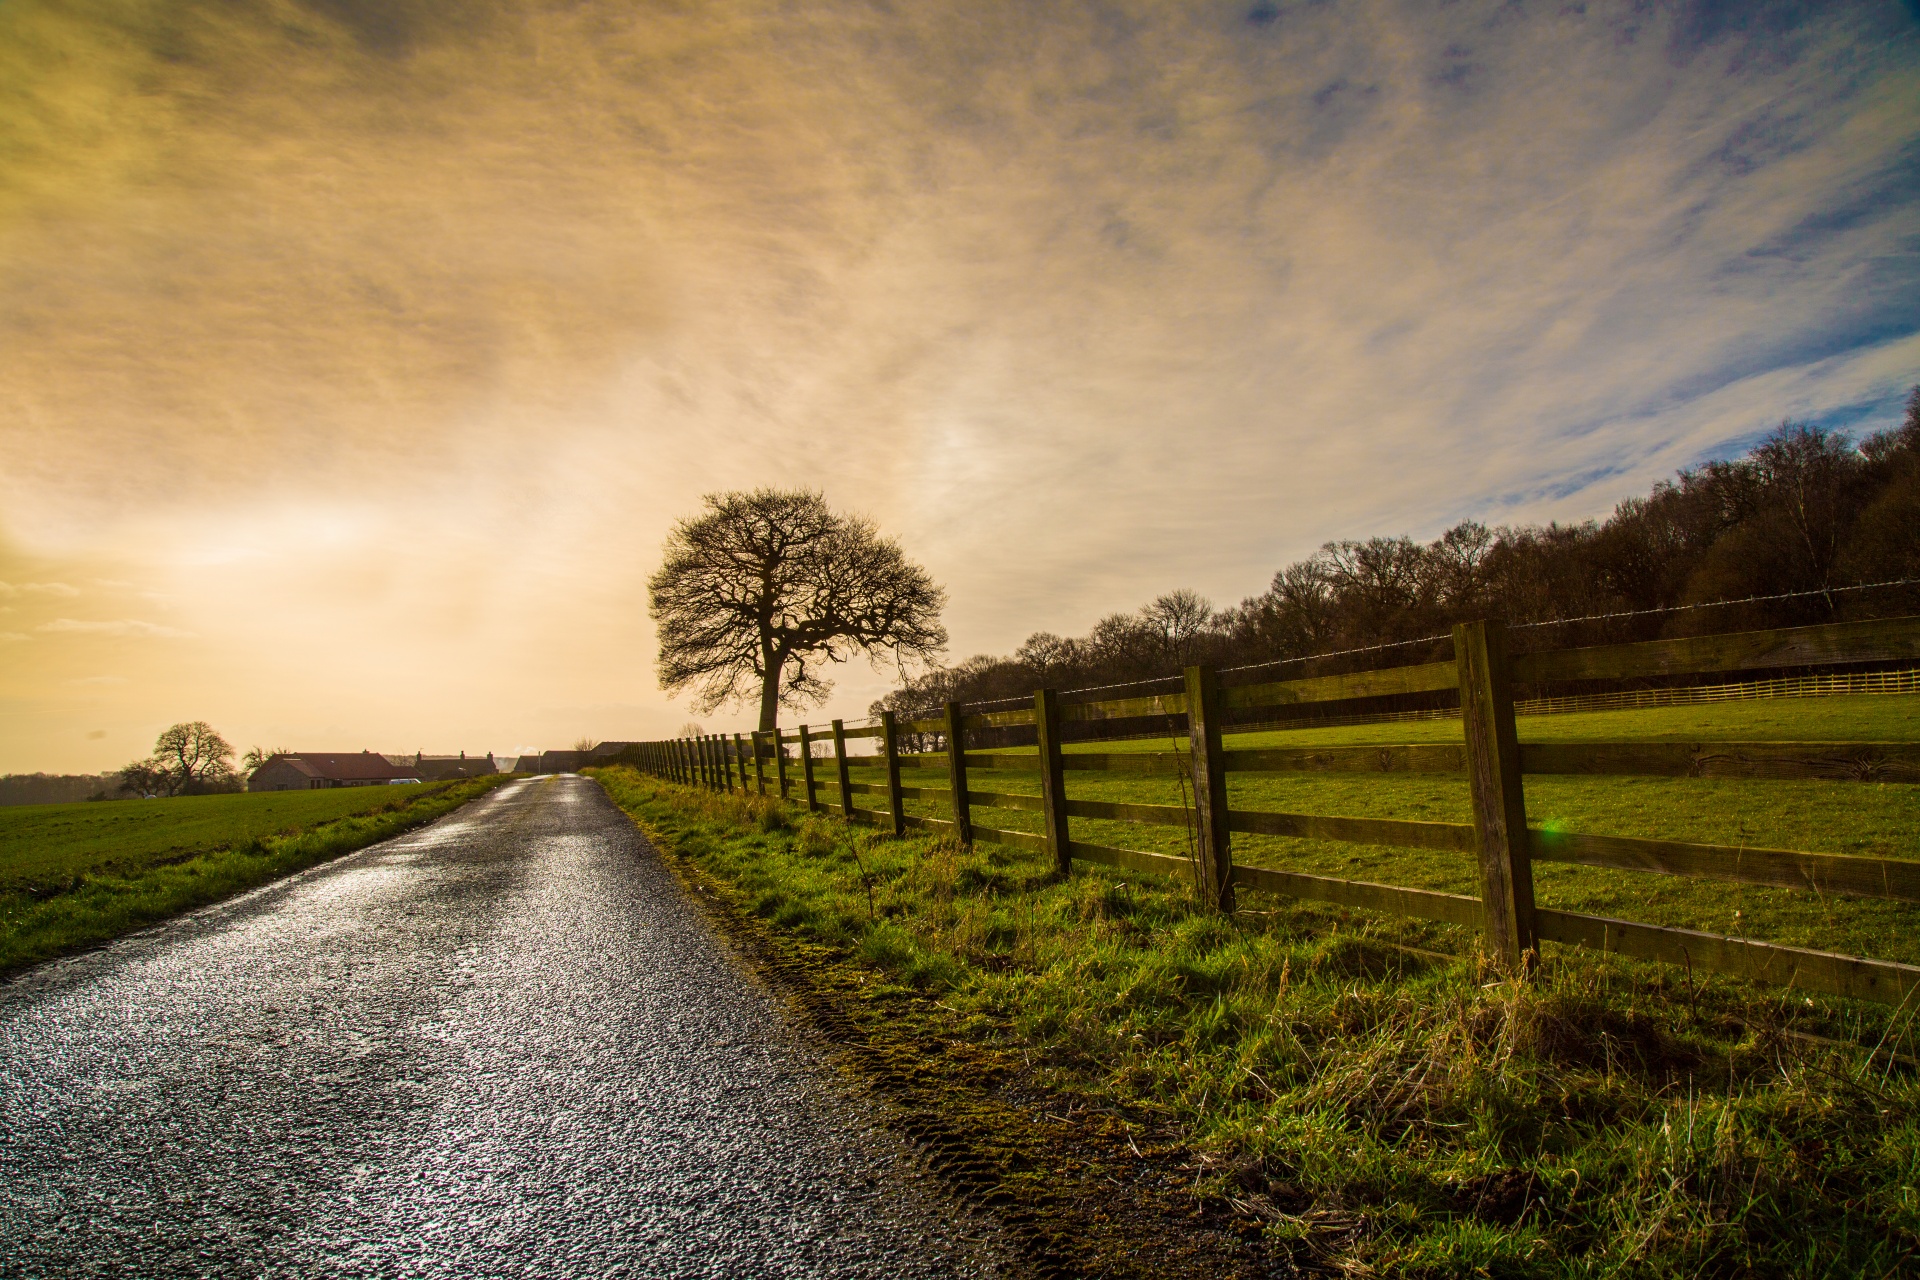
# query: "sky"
356, 356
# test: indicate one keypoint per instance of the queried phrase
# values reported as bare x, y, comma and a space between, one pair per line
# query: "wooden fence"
1490, 754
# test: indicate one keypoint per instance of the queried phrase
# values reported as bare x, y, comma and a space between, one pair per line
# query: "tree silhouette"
763, 589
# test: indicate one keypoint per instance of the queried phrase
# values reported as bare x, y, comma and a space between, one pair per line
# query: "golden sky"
355, 355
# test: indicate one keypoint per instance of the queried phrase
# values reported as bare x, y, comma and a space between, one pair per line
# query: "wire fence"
1836, 685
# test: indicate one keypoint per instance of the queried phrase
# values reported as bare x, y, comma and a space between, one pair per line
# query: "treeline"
55, 788
1806, 514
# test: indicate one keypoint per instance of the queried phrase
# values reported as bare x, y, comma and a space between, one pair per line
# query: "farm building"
316, 770
439, 768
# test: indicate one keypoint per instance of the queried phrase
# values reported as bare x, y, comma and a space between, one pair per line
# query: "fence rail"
1490, 754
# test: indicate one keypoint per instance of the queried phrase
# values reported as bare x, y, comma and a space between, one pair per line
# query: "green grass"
76, 875
1372, 1107
1879, 819
1369, 1091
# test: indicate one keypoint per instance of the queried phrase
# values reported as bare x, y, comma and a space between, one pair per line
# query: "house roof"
341, 766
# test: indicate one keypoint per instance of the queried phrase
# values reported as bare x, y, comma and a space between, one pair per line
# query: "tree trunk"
770, 693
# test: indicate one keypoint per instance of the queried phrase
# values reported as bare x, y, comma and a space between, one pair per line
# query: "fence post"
696, 762
806, 769
759, 764
957, 775
740, 755
1499, 803
712, 742
889, 740
779, 762
1210, 788
1053, 778
840, 764
682, 770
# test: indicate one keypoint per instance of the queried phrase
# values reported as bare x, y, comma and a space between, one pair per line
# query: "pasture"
1360, 1089
1876, 818
75, 875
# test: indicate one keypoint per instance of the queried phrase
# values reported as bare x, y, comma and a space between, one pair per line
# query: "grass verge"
75, 876
1305, 1087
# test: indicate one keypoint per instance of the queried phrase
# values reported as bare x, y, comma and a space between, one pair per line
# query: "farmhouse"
439, 768
314, 770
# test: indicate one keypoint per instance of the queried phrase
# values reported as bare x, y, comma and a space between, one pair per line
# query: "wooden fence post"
896, 803
840, 764
1499, 803
806, 769
696, 762
740, 755
957, 775
780, 762
681, 769
1053, 778
712, 742
759, 765
1209, 788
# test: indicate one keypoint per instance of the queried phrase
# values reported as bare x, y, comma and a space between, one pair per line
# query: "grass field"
1367, 1103
1881, 819
75, 875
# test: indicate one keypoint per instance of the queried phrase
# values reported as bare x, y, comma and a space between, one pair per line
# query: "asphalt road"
504, 1045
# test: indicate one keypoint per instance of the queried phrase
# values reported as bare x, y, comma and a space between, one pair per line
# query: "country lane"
503, 1045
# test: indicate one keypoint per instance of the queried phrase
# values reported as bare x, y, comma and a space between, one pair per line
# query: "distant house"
552, 762
440, 768
316, 770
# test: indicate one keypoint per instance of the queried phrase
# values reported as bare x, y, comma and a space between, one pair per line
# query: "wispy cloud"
11, 637
52, 590
118, 627
378, 334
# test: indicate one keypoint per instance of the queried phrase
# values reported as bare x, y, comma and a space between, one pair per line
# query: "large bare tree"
763, 589
187, 758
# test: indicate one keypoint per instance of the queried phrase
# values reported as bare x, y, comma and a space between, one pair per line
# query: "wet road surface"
503, 1045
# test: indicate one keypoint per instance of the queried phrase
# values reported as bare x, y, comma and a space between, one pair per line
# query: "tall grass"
1375, 1103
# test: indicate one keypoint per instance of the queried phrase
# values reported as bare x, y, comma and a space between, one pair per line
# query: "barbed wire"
1716, 604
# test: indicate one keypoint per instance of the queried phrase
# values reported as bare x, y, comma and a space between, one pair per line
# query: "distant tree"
1181, 621
692, 729
257, 756
763, 588
146, 778
187, 759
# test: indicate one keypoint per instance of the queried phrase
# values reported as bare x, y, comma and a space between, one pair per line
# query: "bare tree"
1180, 620
764, 588
187, 758
196, 757
147, 778
257, 756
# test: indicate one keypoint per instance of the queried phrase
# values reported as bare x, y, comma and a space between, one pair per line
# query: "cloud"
130, 628
54, 590
391, 347
10, 637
